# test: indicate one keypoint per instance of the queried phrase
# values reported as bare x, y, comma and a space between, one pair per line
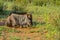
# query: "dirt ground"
37, 33
24, 34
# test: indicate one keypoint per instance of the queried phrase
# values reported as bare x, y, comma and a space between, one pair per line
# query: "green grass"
14, 38
4, 28
44, 17
50, 17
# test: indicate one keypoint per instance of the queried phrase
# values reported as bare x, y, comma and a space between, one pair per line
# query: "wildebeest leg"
13, 22
24, 25
8, 23
21, 26
29, 24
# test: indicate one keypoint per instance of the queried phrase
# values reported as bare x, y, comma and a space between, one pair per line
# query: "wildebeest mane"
20, 13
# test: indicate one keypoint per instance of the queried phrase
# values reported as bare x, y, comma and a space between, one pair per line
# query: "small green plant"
0, 33
14, 38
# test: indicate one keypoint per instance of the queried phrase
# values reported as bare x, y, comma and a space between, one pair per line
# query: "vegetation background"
46, 14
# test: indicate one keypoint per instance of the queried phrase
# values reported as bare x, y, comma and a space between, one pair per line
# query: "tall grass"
47, 17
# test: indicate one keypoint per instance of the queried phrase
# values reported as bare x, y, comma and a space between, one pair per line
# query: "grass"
4, 28
14, 38
50, 17
47, 19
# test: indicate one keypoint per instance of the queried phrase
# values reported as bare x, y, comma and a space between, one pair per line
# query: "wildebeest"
16, 19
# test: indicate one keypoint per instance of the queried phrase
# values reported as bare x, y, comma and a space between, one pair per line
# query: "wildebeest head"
30, 17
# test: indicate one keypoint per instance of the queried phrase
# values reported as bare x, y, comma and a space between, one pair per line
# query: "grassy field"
46, 25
